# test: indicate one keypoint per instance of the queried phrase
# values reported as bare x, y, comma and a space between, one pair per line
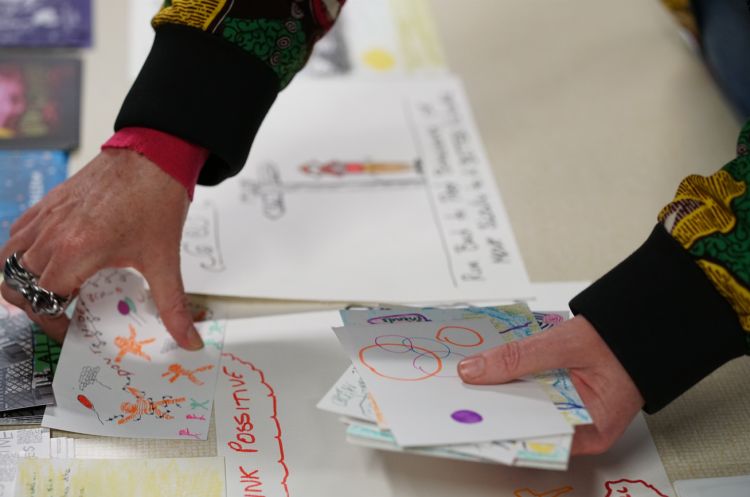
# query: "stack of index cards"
403, 393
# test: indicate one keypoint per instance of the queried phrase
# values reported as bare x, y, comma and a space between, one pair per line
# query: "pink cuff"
180, 159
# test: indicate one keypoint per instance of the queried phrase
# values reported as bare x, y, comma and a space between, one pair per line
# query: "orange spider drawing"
133, 411
131, 346
176, 370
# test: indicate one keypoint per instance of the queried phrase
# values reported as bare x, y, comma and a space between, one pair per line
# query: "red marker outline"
274, 416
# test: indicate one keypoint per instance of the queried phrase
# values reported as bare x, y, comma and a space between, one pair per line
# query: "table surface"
591, 112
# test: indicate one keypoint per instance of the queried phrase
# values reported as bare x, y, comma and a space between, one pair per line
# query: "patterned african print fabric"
710, 218
280, 33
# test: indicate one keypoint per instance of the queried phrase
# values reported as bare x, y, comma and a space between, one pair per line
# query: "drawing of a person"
340, 168
134, 411
131, 346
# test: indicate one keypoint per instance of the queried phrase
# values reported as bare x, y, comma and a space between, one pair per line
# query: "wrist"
663, 319
178, 158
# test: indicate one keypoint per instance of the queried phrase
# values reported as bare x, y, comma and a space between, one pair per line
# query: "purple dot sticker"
467, 417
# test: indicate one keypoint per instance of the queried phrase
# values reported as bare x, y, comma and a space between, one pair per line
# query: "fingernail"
471, 367
194, 340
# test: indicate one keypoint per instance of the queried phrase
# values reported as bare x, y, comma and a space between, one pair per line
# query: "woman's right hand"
120, 210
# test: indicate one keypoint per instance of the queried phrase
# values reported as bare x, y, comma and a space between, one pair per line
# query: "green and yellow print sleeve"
679, 306
217, 66
281, 33
710, 218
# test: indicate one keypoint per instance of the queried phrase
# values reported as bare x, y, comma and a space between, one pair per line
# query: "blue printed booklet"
25, 177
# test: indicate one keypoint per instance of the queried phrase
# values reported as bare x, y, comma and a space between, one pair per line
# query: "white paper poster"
277, 443
358, 191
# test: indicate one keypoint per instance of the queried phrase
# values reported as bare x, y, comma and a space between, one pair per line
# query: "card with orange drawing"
411, 370
121, 374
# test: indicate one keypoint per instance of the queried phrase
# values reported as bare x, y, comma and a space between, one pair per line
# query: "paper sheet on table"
389, 192
411, 370
121, 374
188, 477
286, 363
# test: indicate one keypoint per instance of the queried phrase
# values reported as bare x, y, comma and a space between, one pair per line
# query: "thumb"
165, 281
542, 352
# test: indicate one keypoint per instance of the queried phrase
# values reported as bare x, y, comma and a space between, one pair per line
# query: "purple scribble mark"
467, 417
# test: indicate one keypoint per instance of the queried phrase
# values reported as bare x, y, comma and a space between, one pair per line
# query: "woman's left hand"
606, 389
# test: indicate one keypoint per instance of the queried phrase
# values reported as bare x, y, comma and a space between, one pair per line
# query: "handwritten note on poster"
391, 195
188, 477
121, 374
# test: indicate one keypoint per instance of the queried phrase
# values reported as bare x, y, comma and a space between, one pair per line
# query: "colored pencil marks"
119, 366
429, 354
196, 404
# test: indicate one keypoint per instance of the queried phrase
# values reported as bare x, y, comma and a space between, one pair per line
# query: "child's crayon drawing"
428, 353
142, 405
131, 346
118, 366
195, 404
175, 371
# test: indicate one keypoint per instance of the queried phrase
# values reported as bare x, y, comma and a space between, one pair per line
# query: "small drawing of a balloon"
125, 306
86, 402
88, 405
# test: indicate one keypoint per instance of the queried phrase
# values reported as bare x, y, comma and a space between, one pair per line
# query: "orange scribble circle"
439, 338
410, 347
